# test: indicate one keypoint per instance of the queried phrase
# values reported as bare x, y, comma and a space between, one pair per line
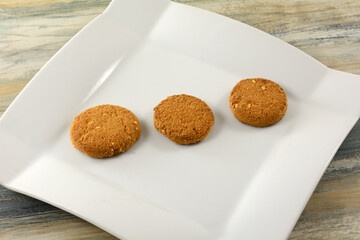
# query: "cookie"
104, 131
184, 119
258, 102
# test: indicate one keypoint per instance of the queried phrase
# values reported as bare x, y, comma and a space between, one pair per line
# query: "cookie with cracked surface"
104, 130
184, 119
258, 102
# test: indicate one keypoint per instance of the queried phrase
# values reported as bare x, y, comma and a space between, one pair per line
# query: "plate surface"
238, 181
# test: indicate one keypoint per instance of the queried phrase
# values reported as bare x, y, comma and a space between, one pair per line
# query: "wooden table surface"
31, 31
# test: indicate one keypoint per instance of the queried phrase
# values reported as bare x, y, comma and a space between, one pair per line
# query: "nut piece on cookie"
258, 102
184, 119
104, 130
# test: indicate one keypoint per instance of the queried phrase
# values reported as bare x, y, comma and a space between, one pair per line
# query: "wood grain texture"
31, 31
26, 3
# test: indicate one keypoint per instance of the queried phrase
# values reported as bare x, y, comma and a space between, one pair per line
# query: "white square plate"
241, 182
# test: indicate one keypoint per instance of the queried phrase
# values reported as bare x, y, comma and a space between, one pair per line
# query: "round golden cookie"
184, 119
104, 130
258, 102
